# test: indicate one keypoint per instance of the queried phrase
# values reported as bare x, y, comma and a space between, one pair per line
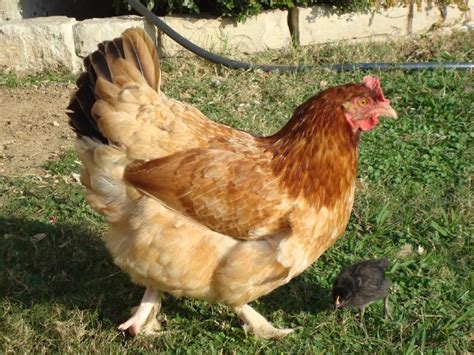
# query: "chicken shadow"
67, 264
300, 295
45, 263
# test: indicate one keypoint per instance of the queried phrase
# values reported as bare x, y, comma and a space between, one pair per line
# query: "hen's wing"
230, 192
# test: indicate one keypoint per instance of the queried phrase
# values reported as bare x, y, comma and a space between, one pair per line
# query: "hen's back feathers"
131, 58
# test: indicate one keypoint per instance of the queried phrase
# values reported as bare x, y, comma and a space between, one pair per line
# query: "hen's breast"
157, 246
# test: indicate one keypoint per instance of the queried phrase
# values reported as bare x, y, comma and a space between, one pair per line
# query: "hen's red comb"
373, 83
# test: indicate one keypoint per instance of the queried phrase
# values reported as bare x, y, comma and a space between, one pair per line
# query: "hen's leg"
257, 324
144, 318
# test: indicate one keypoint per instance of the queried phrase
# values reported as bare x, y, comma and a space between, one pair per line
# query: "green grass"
12, 80
59, 290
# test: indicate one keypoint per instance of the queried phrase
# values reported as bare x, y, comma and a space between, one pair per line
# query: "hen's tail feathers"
132, 58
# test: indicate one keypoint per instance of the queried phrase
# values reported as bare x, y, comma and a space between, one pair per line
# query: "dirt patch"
33, 127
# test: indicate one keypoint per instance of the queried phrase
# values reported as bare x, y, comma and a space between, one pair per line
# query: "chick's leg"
361, 320
361, 314
144, 317
257, 324
386, 309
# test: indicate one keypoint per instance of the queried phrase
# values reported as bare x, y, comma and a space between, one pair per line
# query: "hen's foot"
144, 319
257, 324
267, 331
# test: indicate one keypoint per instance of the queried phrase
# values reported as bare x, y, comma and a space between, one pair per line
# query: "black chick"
359, 285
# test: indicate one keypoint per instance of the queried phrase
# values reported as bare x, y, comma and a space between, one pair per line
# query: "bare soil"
33, 127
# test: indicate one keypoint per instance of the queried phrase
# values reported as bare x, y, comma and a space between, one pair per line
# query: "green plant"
241, 9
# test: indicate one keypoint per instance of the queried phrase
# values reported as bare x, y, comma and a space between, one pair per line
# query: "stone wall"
10, 10
60, 43
79, 9
268, 30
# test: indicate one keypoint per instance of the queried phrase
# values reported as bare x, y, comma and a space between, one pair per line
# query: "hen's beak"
388, 111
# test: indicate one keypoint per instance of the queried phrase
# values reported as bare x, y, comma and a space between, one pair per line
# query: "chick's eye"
363, 101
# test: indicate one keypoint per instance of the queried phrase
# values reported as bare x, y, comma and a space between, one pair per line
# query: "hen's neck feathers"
315, 153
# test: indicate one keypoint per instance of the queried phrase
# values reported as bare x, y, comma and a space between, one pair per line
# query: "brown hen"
198, 209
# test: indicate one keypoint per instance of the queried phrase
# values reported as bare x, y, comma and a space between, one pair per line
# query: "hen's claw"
257, 324
134, 326
144, 316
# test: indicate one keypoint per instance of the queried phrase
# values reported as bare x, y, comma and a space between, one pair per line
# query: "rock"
89, 33
10, 10
456, 17
320, 24
38, 45
425, 17
268, 30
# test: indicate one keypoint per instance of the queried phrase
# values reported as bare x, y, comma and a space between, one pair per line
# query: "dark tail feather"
100, 65
79, 110
114, 50
134, 46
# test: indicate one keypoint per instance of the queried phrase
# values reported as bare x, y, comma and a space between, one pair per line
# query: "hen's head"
367, 103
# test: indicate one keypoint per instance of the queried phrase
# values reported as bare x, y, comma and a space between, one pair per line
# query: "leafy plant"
241, 9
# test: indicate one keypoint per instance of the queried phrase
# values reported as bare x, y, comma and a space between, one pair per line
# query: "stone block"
10, 10
38, 45
268, 30
320, 24
456, 17
425, 17
89, 33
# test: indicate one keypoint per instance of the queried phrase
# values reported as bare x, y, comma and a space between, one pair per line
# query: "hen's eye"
363, 101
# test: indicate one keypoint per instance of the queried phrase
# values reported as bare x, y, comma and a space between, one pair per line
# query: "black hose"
235, 64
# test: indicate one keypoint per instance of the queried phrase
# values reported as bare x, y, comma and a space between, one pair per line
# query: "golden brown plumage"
201, 210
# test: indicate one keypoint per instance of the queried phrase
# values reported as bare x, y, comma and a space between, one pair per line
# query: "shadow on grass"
58, 263
68, 264
299, 295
